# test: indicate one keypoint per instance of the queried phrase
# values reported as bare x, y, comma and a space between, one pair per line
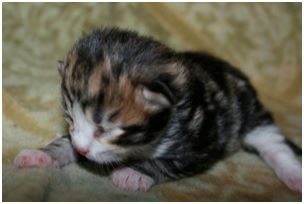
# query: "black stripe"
67, 93
133, 129
297, 150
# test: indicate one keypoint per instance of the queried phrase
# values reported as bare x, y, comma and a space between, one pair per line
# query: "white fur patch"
269, 142
102, 153
100, 148
116, 132
83, 132
264, 136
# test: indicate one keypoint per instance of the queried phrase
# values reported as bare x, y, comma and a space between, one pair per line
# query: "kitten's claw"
34, 158
131, 180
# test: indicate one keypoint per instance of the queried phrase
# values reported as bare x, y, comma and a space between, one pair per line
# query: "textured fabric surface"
263, 40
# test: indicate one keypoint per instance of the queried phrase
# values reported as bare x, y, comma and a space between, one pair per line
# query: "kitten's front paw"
34, 158
131, 180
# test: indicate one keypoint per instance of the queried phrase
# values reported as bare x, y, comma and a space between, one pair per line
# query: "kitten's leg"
271, 145
141, 176
58, 153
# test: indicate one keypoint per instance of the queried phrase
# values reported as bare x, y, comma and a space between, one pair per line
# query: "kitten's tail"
278, 152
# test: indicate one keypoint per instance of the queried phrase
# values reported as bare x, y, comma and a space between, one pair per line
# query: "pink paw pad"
33, 158
131, 180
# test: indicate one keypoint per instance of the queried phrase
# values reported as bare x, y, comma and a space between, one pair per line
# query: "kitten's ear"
60, 67
153, 101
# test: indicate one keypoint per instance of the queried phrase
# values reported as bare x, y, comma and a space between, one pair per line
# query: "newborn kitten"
163, 114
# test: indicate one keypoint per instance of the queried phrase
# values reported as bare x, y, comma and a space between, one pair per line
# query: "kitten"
162, 114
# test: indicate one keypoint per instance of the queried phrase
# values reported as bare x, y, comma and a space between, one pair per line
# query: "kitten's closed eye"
113, 115
97, 117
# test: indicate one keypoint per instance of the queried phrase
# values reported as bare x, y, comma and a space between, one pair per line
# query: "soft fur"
158, 114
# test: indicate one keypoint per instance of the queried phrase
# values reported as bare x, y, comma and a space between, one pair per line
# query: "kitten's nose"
82, 151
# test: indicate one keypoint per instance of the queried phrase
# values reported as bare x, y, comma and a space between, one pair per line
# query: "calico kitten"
163, 114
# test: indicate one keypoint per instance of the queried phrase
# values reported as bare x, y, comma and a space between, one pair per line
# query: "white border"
169, 1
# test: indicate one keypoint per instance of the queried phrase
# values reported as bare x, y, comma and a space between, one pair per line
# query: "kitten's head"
118, 90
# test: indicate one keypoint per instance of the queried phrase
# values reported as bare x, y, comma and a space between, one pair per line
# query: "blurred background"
261, 39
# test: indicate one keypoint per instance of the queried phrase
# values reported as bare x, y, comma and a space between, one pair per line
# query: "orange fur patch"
122, 96
69, 69
94, 83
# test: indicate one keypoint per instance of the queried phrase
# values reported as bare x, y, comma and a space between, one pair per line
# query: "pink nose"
82, 151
